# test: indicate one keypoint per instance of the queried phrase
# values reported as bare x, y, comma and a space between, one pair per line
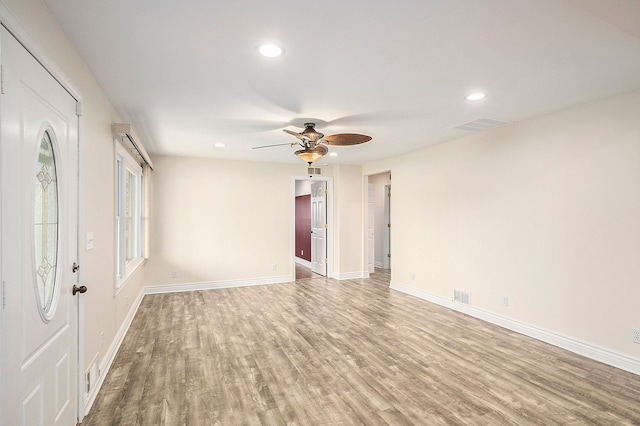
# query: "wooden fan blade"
297, 135
270, 146
345, 139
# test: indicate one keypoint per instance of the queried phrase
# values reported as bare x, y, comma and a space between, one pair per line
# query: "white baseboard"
353, 275
212, 285
110, 355
303, 262
606, 356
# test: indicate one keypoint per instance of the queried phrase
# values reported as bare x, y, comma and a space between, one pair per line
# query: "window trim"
124, 269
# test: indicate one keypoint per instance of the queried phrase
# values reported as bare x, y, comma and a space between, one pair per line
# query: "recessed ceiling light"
270, 50
333, 154
219, 145
476, 96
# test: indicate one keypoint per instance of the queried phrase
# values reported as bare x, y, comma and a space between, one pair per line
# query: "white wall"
545, 212
219, 220
216, 221
104, 312
348, 215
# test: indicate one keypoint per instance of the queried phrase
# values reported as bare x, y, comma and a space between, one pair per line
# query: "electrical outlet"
174, 274
413, 276
635, 333
505, 300
274, 266
102, 340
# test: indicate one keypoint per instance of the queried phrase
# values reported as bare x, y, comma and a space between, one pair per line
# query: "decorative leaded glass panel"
46, 223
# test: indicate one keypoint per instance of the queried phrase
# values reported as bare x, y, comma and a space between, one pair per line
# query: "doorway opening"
312, 200
378, 223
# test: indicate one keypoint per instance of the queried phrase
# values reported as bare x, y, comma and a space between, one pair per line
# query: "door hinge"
326, 191
326, 260
4, 294
79, 112
388, 225
388, 254
326, 226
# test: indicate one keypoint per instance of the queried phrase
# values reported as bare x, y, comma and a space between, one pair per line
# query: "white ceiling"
187, 75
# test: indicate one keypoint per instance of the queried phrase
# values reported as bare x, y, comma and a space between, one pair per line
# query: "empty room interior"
362, 212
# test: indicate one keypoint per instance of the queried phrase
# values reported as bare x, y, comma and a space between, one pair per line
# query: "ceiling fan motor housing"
311, 133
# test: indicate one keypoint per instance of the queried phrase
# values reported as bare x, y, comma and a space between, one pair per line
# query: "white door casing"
39, 327
387, 235
318, 227
371, 226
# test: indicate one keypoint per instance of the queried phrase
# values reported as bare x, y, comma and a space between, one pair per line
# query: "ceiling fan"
314, 144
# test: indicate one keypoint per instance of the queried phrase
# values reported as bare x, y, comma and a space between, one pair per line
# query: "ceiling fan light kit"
312, 154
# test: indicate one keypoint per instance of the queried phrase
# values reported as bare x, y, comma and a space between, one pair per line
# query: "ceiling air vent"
314, 171
482, 124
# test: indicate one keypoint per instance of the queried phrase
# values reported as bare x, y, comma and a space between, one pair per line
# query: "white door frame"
329, 235
11, 23
371, 231
386, 261
365, 222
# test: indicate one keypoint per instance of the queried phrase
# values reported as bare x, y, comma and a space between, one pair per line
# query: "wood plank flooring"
325, 352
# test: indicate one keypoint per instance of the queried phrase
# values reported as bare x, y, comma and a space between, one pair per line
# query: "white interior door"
39, 177
318, 228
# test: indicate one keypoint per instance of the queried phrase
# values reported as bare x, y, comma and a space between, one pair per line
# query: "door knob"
81, 289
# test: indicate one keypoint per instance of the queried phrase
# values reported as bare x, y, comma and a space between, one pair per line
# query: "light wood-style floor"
326, 352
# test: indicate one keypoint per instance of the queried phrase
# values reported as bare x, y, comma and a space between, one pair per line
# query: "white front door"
39, 215
318, 228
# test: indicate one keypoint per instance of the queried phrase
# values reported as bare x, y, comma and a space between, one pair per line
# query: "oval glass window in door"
46, 225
